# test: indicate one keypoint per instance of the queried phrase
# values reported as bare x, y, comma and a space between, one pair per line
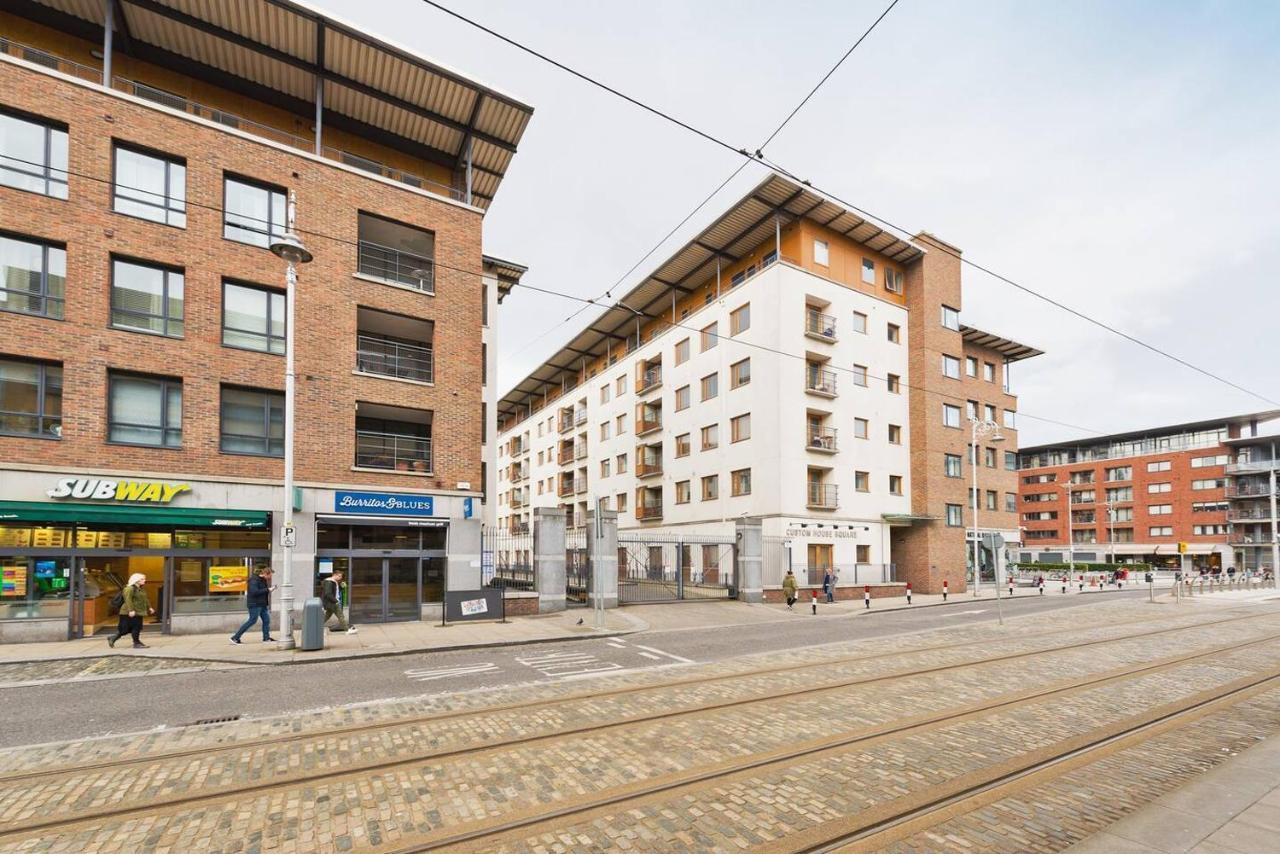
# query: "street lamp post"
289, 248
1111, 530
980, 428
1071, 537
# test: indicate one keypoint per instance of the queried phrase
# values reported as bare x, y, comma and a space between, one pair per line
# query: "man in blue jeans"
258, 598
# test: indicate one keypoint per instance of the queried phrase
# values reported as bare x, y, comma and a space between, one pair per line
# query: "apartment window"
895, 484
33, 277
950, 367
953, 465
144, 411
605, 431
989, 457
950, 318
894, 383
988, 372
1205, 462
950, 415
710, 386
740, 482
860, 375
1010, 461
859, 322
34, 156
252, 213
621, 385
955, 515
1155, 488
737, 278
740, 427
622, 502
862, 481
620, 425
1010, 419
710, 437
1208, 506
971, 410
710, 337
1208, 530
740, 373
146, 298
1211, 483
253, 318
1120, 493
970, 366
895, 434
682, 351
682, 398
150, 186
1011, 502
1160, 531
711, 487
861, 428
1120, 473
682, 445
621, 461
869, 273
252, 422
1084, 496
892, 280
605, 393
682, 492
894, 332
740, 319
1159, 509
1160, 465
30, 399
990, 413
821, 253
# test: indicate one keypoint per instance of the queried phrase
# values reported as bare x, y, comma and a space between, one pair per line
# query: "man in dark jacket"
258, 599
331, 598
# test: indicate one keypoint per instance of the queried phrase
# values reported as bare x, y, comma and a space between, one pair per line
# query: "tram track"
173, 805
203, 751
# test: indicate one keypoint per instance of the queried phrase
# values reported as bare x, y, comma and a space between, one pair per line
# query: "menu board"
13, 581
40, 538
228, 579
190, 571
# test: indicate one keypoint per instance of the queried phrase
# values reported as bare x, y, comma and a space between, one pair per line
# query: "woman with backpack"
133, 605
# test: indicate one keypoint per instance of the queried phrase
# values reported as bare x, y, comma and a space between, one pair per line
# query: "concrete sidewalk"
1232, 808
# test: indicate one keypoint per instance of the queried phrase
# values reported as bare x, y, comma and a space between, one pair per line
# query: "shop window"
212, 585
30, 399
252, 422
144, 411
33, 277
34, 588
253, 318
147, 298
33, 156
384, 537
150, 186
252, 213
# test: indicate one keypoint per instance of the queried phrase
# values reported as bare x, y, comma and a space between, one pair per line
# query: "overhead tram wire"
867, 214
536, 289
608, 294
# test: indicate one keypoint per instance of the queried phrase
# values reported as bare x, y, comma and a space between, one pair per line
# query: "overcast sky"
1118, 156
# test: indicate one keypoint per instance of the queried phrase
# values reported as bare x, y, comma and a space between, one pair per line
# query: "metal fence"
397, 265
507, 560
392, 451
659, 567
382, 356
577, 567
778, 554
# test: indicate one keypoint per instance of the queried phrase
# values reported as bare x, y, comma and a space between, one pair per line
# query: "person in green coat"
132, 609
789, 589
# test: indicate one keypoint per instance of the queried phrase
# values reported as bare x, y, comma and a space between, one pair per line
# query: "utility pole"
980, 428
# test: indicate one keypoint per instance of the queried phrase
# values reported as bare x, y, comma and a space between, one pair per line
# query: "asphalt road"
72, 710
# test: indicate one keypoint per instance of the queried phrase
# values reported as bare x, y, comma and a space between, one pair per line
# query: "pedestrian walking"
829, 585
258, 600
789, 589
133, 605
331, 598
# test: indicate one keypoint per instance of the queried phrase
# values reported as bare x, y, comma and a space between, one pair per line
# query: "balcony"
648, 422
517, 500
820, 381
648, 461
1249, 490
396, 451
565, 423
1252, 466
572, 486
579, 417
580, 451
389, 357
565, 456
518, 474
819, 326
649, 380
822, 496
518, 528
393, 265
1249, 514
822, 440
649, 511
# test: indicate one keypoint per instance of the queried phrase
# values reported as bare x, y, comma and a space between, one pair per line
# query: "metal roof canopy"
286, 47
1010, 349
1168, 430
507, 273
744, 226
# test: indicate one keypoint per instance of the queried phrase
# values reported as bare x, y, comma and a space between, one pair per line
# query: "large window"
33, 156
740, 373
710, 386
682, 351
950, 318
252, 213
33, 277
740, 320
151, 187
950, 415
955, 515
740, 427
30, 399
145, 298
869, 271
252, 422
952, 465
740, 482
950, 367
253, 318
144, 411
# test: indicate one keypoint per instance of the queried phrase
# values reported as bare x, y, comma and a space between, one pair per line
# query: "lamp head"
289, 248
997, 436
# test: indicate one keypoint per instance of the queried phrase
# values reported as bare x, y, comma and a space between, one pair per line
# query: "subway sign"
137, 491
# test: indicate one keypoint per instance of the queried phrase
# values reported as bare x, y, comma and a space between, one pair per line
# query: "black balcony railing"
393, 359
393, 451
395, 265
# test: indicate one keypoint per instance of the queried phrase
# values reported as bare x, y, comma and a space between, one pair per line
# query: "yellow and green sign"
137, 491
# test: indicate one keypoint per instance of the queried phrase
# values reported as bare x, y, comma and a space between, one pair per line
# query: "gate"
577, 568
654, 567
506, 559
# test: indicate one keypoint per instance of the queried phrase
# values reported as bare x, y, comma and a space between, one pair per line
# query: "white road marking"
670, 655
651, 655
428, 675
962, 613
567, 663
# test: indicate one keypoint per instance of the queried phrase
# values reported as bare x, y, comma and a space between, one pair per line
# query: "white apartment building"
497, 280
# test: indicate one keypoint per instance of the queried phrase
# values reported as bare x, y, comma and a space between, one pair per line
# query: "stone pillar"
749, 552
548, 558
602, 552
463, 569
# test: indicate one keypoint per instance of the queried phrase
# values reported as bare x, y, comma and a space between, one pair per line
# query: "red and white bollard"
944, 590
908, 592
866, 596
814, 603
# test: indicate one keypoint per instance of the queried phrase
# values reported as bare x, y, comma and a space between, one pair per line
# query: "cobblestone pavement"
105, 667
481, 783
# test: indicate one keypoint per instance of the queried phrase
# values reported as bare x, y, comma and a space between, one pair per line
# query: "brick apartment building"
791, 363
147, 152
1135, 496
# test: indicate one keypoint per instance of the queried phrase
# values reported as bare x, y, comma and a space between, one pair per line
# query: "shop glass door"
365, 590
384, 589
402, 589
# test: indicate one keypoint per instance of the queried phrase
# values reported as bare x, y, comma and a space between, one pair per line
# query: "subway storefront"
62, 561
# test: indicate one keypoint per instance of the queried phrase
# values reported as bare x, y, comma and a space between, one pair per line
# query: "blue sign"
383, 504
466, 508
